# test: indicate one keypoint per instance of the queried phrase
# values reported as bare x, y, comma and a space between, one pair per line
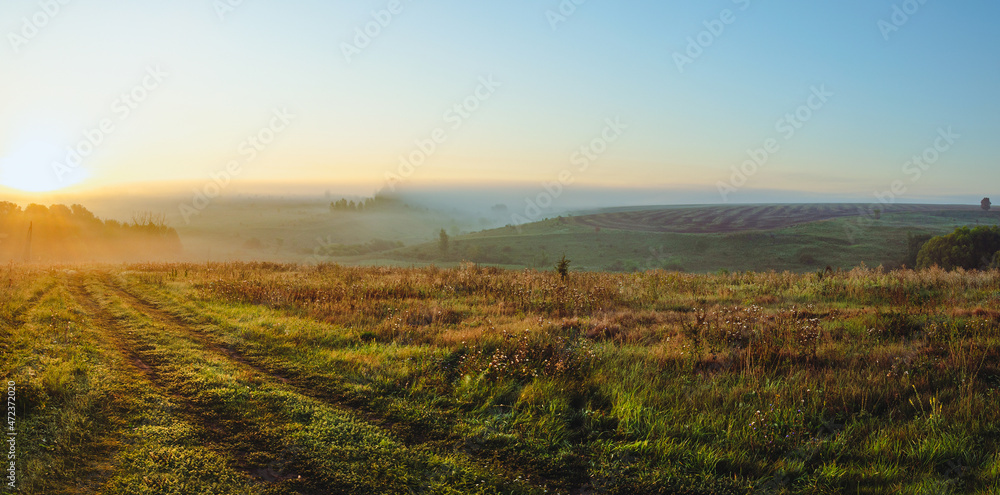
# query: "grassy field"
274, 379
295, 231
694, 239
733, 218
703, 239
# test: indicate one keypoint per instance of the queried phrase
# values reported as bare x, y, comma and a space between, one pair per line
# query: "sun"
29, 167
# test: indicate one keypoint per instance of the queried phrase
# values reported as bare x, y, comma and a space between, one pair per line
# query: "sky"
704, 100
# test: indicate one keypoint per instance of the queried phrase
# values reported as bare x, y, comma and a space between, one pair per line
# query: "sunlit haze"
527, 247
502, 92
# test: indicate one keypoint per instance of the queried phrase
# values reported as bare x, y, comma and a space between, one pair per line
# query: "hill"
798, 238
737, 218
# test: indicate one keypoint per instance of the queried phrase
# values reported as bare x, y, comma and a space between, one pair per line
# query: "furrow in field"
724, 219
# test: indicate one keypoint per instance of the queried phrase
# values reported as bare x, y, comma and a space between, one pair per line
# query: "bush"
964, 248
562, 267
913, 245
372, 246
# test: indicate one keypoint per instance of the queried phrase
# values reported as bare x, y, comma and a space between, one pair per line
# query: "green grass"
839, 243
264, 378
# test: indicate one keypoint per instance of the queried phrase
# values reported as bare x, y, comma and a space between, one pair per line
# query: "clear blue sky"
558, 86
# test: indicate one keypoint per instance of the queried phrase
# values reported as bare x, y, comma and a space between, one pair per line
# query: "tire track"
104, 323
179, 324
316, 387
213, 431
29, 304
307, 386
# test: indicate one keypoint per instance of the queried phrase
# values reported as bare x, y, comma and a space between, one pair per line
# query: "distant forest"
380, 201
60, 233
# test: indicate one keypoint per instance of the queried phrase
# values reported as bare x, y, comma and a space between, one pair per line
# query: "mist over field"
447, 247
284, 223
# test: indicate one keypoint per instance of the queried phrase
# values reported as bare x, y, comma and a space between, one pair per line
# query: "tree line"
59, 233
376, 202
968, 248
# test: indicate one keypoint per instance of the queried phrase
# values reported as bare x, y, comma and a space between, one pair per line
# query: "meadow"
264, 378
703, 239
695, 239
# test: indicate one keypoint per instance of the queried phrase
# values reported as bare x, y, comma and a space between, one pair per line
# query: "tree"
84, 215
562, 267
964, 248
36, 210
8, 208
62, 211
985, 204
913, 245
443, 241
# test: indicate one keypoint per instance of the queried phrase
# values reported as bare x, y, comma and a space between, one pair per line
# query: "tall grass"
651, 382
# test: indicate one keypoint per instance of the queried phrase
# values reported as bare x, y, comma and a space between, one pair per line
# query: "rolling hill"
794, 237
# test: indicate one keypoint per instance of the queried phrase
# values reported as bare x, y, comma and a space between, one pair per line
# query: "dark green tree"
562, 267
964, 248
913, 245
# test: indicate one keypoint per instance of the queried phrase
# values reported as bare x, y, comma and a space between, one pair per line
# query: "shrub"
562, 267
913, 245
964, 248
